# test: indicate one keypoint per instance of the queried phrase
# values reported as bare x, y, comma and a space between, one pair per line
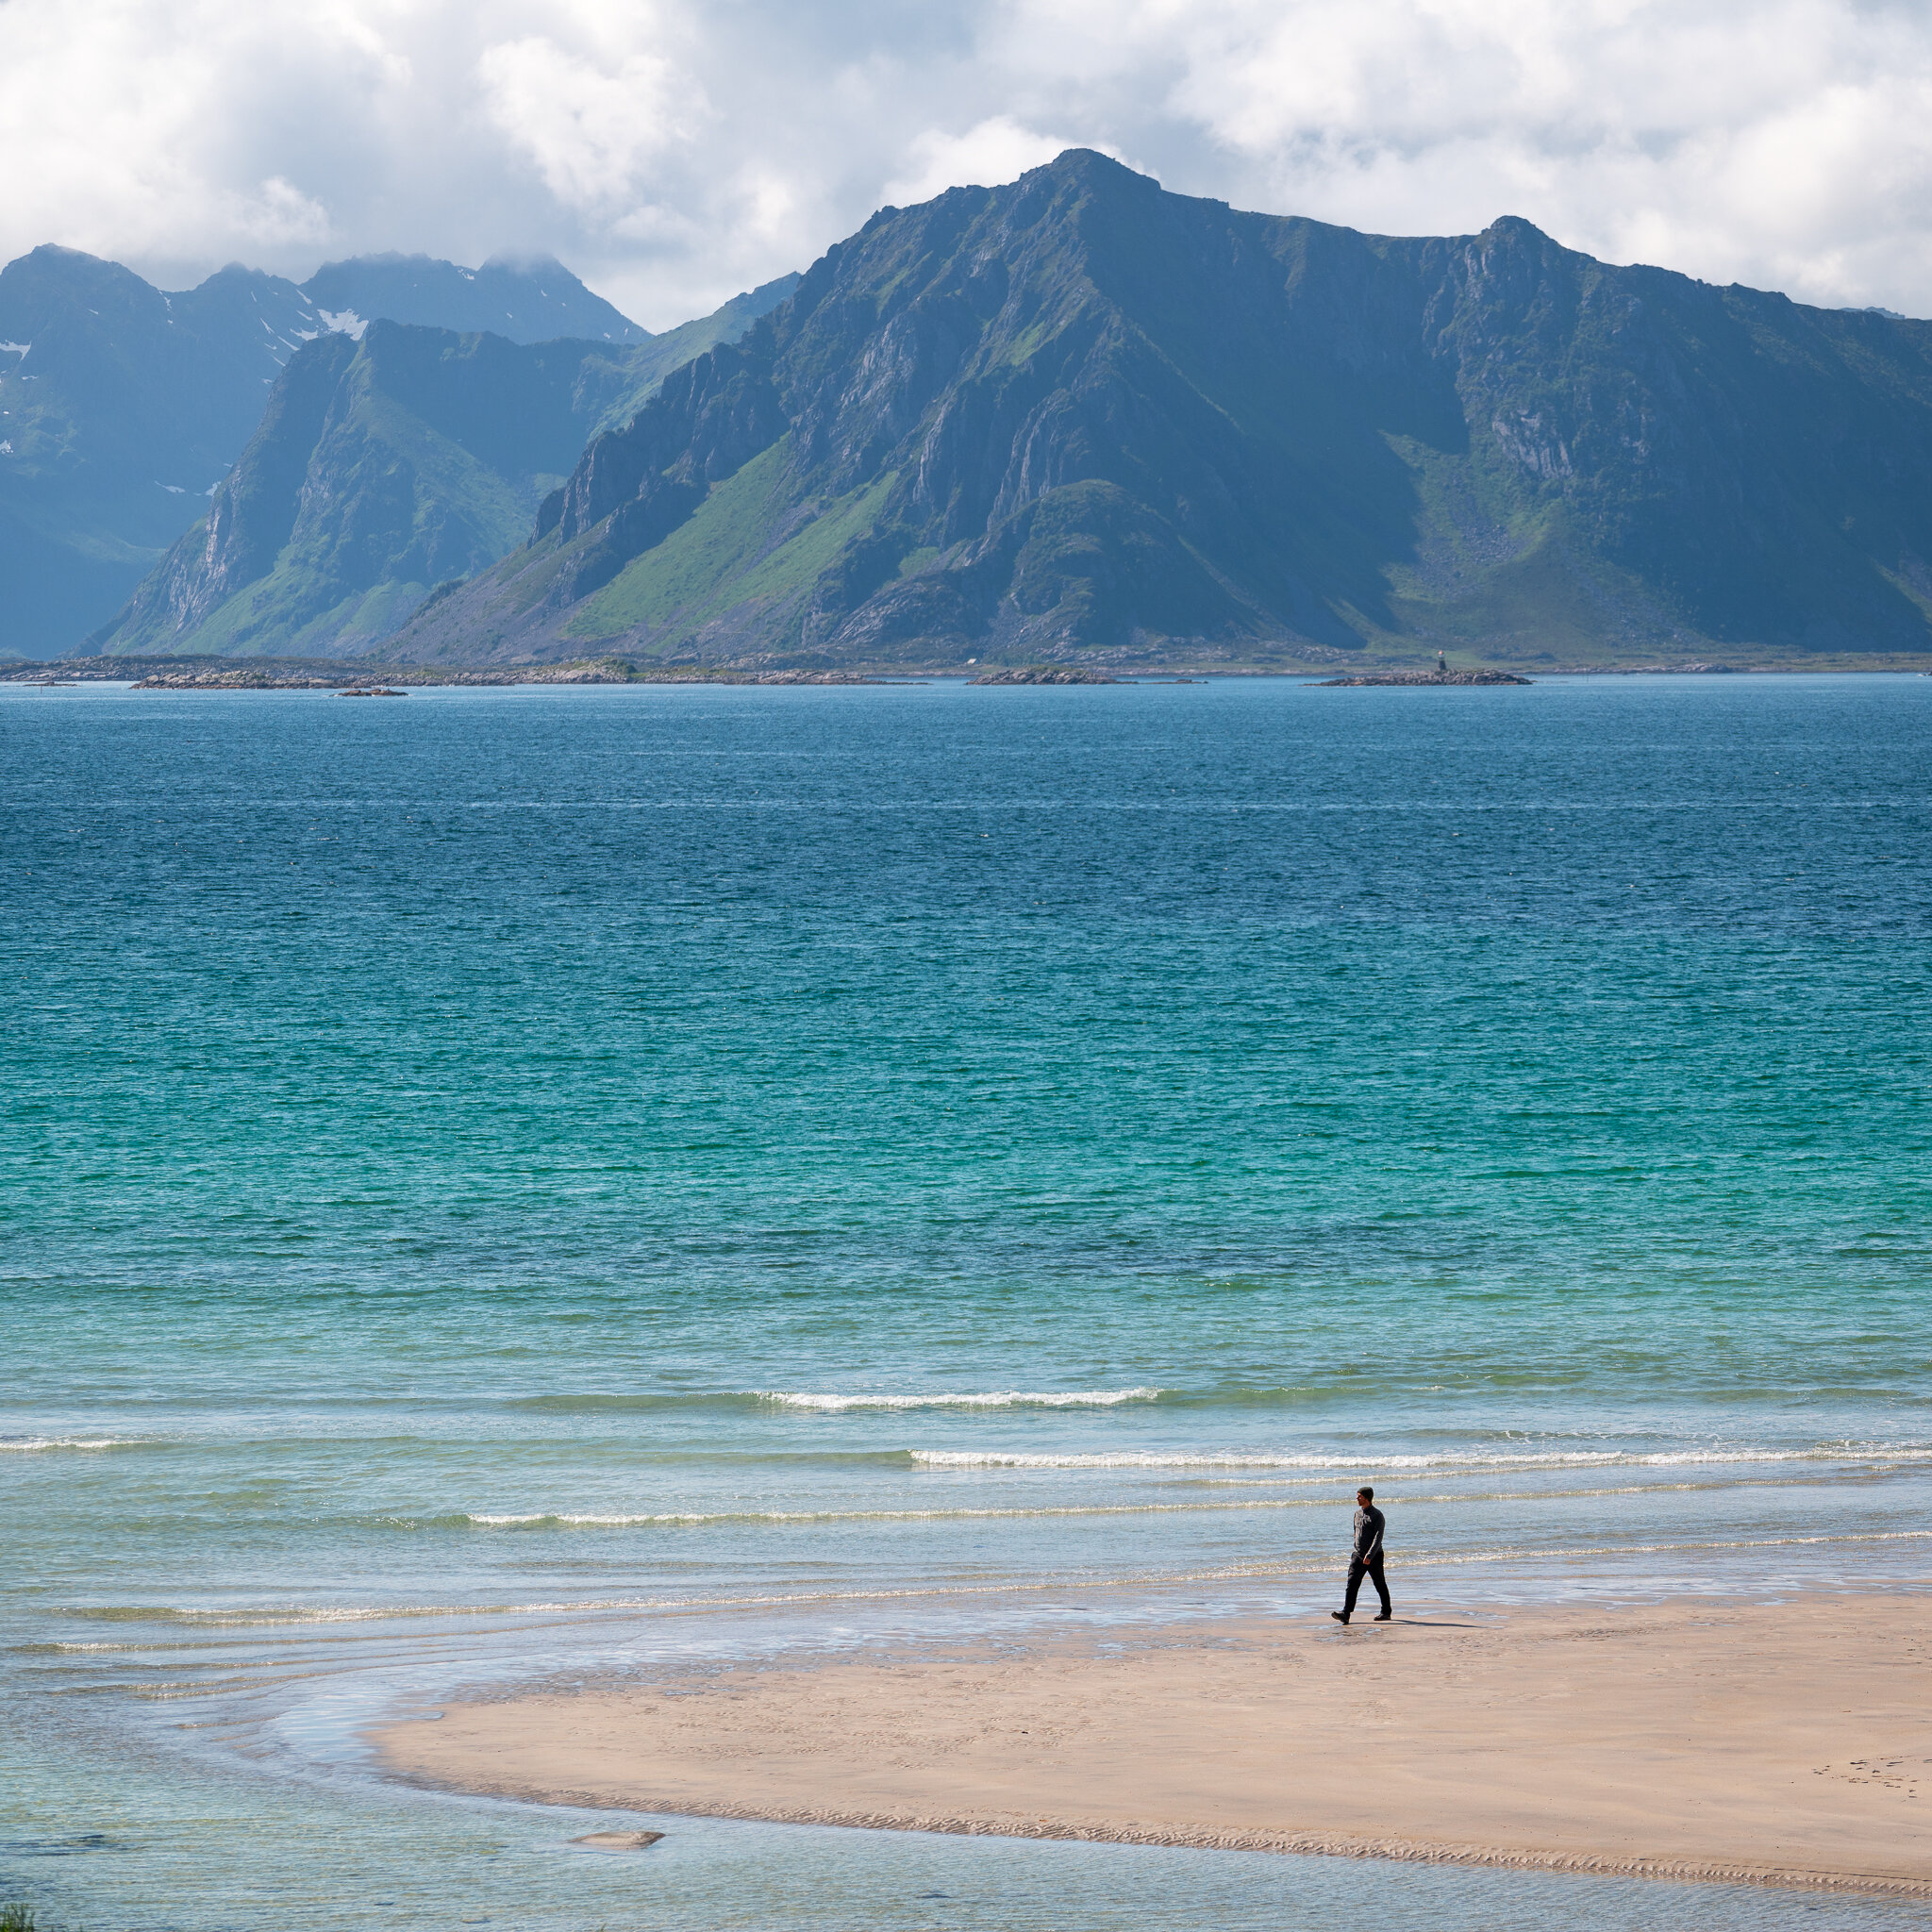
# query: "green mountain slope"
121, 407
385, 466
1079, 417
655, 360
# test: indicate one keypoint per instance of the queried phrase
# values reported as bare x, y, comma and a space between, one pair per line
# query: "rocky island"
1046, 674
1429, 678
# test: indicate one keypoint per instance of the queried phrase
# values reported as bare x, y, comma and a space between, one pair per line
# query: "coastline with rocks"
1428, 678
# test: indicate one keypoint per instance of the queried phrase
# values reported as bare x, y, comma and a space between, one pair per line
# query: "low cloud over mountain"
674, 152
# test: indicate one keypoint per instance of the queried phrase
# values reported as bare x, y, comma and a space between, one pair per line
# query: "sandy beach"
1783, 1743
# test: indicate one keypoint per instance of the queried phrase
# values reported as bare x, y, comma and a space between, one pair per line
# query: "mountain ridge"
392, 461
123, 406
1078, 417
512, 299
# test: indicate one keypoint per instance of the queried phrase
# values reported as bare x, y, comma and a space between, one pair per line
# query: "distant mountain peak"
516, 264
533, 300
1091, 164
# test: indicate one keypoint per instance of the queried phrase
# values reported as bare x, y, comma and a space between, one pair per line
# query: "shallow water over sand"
565, 1180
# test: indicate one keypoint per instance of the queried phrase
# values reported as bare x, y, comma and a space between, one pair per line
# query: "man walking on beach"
1365, 1559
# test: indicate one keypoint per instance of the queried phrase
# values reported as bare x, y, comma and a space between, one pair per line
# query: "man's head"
1365, 1495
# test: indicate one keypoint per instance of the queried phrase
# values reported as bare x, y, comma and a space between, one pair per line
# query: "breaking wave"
28, 1444
998, 1398
1441, 1460
830, 1402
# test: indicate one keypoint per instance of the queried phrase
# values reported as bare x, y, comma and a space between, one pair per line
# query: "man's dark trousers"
1370, 1567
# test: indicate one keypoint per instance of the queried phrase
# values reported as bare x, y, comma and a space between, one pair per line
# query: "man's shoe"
1386, 1617
1340, 1616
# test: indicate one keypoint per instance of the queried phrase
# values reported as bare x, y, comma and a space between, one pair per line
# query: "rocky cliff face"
388, 462
120, 407
383, 467
1079, 417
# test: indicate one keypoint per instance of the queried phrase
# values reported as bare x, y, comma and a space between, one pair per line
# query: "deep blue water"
523, 1177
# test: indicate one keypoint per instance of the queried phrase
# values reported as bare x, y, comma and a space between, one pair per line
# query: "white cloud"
590, 132
674, 152
997, 151
1779, 141
278, 215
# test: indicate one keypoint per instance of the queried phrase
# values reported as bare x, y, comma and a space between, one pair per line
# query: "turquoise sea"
589, 1181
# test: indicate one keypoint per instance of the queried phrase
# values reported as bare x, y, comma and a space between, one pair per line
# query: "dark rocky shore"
317, 674
1046, 674
1430, 677
322, 674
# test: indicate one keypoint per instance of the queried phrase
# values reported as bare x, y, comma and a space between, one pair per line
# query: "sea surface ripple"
573, 1181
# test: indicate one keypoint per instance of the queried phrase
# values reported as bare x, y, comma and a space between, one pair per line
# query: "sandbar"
1776, 1744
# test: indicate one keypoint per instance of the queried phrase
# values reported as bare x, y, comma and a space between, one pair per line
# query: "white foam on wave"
1441, 1460
560, 1519
995, 1398
33, 1444
546, 1519
596, 1522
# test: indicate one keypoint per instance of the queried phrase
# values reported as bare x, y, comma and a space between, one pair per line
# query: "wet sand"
1780, 1743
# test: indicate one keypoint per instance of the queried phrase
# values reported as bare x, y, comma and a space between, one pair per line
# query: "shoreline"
209, 673
1710, 1740
1393, 1850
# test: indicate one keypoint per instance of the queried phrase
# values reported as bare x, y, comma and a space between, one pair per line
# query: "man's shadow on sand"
1419, 1624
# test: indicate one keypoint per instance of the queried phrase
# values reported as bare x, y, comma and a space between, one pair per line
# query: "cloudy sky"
674, 152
